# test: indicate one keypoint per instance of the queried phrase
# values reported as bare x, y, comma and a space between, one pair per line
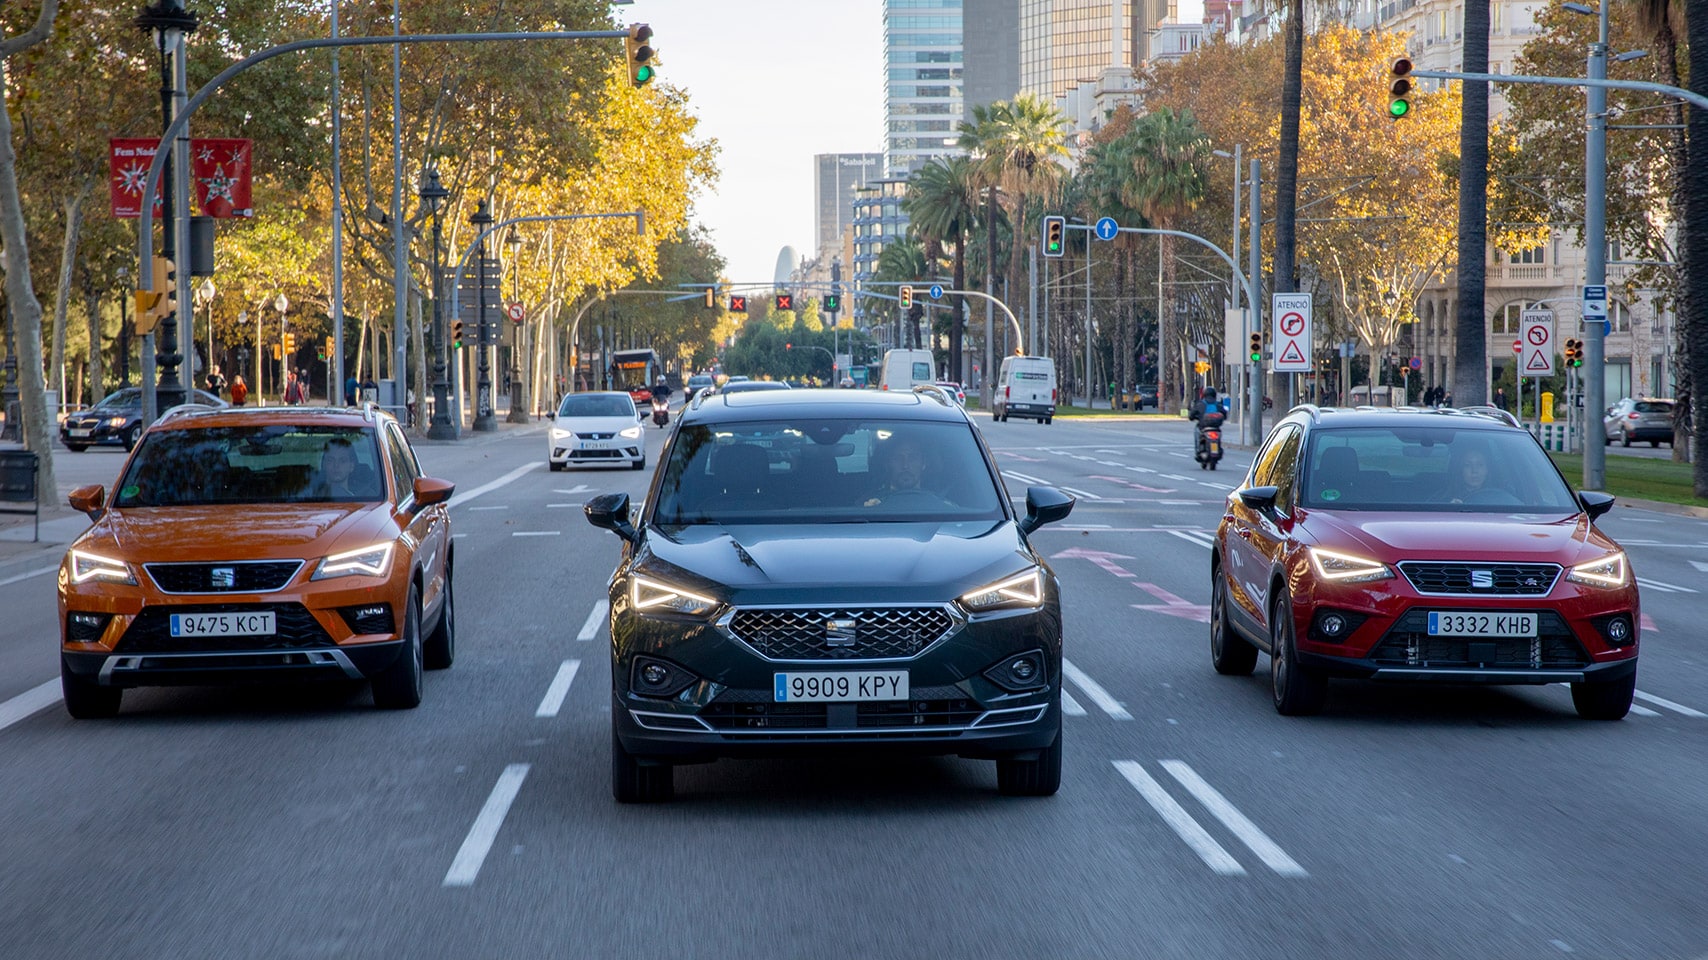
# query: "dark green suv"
820, 570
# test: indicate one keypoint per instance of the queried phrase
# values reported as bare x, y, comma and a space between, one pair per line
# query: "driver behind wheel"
901, 464
1469, 475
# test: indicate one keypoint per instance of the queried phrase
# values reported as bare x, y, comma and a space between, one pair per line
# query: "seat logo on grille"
840, 633
222, 578
1483, 579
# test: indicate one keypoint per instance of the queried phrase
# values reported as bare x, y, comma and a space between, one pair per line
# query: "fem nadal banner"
219, 169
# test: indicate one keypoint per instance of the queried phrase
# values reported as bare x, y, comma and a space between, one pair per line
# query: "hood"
894, 561
241, 532
1432, 536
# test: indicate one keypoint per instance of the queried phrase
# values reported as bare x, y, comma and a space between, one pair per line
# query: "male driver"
337, 464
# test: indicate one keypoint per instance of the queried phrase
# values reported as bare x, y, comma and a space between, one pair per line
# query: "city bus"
635, 371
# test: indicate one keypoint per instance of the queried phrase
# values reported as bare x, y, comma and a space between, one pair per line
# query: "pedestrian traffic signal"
832, 303
641, 71
738, 304
1574, 353
785, 301
1399, 89
456, 334
1256, 351
906, 297
1055, 229
711, 298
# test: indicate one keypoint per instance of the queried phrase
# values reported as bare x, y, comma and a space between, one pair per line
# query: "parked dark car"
1147, 396
115, 421
816, 571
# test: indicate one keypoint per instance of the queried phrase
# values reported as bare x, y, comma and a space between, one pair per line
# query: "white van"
1025, 387
906, 369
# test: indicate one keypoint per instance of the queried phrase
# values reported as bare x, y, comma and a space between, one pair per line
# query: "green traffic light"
1399, 108
644, 74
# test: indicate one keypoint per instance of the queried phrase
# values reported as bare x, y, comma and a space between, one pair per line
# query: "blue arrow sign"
937, 291
1107, 228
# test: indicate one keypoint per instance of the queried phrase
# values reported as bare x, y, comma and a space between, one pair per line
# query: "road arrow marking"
579, 488
1102, 558
1172, 605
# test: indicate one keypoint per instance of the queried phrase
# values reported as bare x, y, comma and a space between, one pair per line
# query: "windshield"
601, 405
259, 464
827, 471
1432, 468
116, 401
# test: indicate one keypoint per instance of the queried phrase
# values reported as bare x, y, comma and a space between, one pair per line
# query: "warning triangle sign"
1291, 353
1538, 362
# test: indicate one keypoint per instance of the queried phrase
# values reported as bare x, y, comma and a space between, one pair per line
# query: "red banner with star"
219, 170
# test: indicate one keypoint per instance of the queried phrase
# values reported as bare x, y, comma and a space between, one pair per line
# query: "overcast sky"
775, 81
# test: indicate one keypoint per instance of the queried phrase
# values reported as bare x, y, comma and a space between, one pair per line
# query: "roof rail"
1309, 408
935, 392
183, 409
368, 408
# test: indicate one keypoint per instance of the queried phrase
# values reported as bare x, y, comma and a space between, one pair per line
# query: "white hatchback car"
596, 428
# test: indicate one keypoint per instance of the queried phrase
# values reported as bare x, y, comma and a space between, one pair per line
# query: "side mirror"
610, 511
429, 491
1259, 498
1045, 505
91, 500
1595, 504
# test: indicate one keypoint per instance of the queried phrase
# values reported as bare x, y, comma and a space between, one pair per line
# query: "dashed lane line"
1238, 823
1678, 708
1214, 855
536, 533
1094, 690
595, 619
1643, 711
1199, 537
466, 866
552, 702
487, 488
28, 703
1070, 706
1082, 494
1661, 586
27, 574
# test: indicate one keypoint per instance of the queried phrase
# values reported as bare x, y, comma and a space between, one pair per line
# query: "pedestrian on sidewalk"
239, 391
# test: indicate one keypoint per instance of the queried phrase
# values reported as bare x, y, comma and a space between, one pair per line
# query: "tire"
1049, 420
77, 447
1213, 464
1230, 654
633, 782
85, 699
132, 437
555, 467
398, 687
1606, 441
1040, 777
640, 464
1603, 701
440, 649
1656, 444
1624, 439
1298, 691
1203, 464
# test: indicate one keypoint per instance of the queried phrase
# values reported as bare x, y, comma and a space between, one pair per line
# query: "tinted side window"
403, 467
1285, 472
1261, 477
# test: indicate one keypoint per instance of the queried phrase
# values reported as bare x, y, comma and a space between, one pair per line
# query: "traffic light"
151, 304
456, 334
788, 346
738, 304
1256, 351
326, 349
1399, 89
1574, 353
711, 297
641, 71
278, 354
290, 343
1055, 228
785, 301
832, 303
906, 297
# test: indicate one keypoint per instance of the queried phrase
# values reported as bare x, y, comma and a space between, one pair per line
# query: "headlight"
1346, 568
115, 421
632, 432
1609, 571
656, 596
1021, 590
90, 566
371, 561
561, 434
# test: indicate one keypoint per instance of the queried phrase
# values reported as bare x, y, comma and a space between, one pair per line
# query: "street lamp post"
1595, 240
124, 328
517, 414
444, 426
205, 295
484, 421
281, 303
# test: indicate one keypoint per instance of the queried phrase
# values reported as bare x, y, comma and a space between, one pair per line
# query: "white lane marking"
1194, 536
1701, 567
536, 533
1662, 586
1080, 493
458, 536
1070, 706
1111, 463
1670, 705
560, 506
1021, 477
19, 578
1179, 503
1205, 846
1638, 520
1095, 691
595, 620
487, 488
1248, 833
1218, 486
475, 846
1643, 711
553, 700
1141, 469
1561, 946
579, 488
1172, 476
38, 697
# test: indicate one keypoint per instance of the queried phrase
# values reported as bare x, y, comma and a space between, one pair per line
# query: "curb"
1661, 506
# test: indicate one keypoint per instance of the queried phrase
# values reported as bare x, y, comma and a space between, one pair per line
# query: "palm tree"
1167, 153
903, 260
1695, 230
942, 205
1287, 166
1469, 386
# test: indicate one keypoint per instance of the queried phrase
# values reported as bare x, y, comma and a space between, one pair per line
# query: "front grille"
924, 714
240, 576
1408, 644
595, 436
878, 633
151, 631
1470, 578
595, 454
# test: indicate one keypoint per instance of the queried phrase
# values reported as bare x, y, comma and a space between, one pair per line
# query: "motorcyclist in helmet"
661, 390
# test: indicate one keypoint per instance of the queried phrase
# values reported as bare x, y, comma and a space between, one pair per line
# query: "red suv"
1419, 546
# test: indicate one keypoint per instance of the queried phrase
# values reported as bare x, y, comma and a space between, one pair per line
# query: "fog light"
1618, 629
654, 674
1020, 672
1333, 625
1023, 669
85, 627
659, 678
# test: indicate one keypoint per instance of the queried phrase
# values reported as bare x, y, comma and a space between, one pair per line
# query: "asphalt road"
1193, 821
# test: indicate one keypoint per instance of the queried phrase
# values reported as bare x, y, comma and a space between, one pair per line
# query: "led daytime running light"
371, 561
1346, 568
1609, 571
1022, 590
649, 594
92, 566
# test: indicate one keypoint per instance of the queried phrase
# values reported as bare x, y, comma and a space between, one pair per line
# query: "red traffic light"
738, 304
785, 301
788, 346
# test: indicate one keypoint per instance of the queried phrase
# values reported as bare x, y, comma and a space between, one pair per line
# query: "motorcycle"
1207, 448
660, 411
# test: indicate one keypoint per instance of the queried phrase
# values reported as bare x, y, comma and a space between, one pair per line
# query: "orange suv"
242, 544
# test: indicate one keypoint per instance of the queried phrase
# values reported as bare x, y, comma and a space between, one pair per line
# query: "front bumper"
729, 709
100, 433
206, 667
1358, 669
571, 450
